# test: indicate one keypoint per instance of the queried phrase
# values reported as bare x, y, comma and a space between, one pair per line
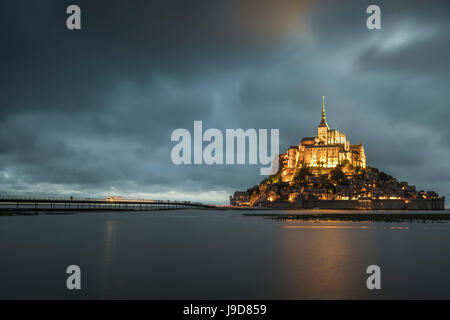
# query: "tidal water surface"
202, 254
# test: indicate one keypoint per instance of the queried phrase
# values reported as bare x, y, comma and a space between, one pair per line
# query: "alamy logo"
213, 153
374, 20
74, 280
73, 21
374, 280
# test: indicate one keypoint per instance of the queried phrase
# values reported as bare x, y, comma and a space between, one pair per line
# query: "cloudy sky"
91, 112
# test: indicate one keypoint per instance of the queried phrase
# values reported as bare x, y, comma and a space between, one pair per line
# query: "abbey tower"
327, 150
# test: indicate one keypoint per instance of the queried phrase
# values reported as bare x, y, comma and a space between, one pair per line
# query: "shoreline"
357, 217
293, 214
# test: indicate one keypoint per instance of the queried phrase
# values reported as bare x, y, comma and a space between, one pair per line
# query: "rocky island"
326, 172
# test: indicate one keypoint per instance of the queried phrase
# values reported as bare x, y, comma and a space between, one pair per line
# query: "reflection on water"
200, 254
319, 264
110, 257
372, 226
325, 227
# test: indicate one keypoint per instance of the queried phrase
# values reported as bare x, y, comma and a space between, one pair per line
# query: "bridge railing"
28, 198
44, 198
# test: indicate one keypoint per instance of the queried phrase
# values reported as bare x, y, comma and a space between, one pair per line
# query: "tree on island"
337, 176
275, 178
301, 177
385, 177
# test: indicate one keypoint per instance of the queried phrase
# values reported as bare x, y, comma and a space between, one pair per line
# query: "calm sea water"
195, 254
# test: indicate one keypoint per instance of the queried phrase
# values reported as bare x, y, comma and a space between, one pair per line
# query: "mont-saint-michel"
327, 172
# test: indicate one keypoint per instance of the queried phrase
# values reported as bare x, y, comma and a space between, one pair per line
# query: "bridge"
34, 203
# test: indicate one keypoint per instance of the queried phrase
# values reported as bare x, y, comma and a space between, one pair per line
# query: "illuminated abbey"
327, 150
326, 172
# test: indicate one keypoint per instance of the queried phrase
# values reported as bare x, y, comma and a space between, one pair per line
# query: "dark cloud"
91, 111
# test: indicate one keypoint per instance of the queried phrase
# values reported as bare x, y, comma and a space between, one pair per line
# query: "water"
199, 254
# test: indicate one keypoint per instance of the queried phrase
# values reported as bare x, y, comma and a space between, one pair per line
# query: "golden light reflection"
326, 227
323, 258
109, 258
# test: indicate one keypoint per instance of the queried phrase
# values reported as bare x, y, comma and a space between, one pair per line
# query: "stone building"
327, 149
240, 198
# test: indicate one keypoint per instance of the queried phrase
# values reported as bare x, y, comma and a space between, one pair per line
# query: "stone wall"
423, 204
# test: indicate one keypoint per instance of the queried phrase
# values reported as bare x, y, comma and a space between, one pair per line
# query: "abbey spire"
323, 108
323, 122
